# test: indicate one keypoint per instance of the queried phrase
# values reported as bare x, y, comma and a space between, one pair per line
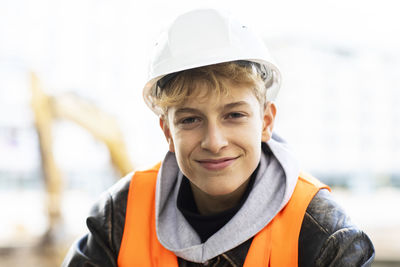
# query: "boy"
228, 192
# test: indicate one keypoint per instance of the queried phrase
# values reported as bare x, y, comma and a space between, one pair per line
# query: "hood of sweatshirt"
273, 187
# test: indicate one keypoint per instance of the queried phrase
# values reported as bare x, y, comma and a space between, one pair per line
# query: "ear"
167, 134
268, 121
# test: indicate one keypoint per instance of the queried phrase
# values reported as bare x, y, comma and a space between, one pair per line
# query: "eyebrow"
186, 110
227, 106
236, 104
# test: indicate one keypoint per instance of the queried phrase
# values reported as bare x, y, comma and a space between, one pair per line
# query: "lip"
217, 164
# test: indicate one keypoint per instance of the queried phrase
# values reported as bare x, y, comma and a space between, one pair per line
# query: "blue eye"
235, 115
189, 120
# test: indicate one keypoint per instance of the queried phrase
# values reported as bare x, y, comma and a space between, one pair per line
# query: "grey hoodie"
273, 187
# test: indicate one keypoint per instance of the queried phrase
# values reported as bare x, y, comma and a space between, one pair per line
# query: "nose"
214, 138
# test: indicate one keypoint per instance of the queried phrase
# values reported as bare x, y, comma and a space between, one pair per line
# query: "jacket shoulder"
118, 195
110, 210
329, 238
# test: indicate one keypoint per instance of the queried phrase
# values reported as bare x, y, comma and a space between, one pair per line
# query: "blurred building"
339, 110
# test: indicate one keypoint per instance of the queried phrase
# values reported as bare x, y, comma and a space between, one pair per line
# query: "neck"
210, 204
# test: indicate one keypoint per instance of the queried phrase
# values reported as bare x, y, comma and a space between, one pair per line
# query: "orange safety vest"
275, 245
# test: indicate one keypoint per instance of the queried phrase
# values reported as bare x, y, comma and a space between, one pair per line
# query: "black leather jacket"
327, 237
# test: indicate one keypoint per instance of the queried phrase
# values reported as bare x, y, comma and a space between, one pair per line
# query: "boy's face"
217, 141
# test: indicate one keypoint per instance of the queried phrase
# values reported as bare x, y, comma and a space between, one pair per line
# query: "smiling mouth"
217, 164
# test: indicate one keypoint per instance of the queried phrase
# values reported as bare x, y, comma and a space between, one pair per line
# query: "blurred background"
72, 119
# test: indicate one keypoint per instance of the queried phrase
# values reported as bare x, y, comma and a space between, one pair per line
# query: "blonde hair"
176, 88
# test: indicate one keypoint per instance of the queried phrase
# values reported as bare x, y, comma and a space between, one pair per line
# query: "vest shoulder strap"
278, 241
140, 246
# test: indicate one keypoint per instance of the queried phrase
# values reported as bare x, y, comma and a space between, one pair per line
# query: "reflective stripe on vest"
275, 245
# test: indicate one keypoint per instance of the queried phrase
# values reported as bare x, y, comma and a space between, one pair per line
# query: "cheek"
184, 149
184, 143
249, 139
251, 134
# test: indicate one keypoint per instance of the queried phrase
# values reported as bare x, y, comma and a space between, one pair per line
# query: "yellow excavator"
101, 125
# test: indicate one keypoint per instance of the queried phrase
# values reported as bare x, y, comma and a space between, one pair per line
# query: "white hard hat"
204, 37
